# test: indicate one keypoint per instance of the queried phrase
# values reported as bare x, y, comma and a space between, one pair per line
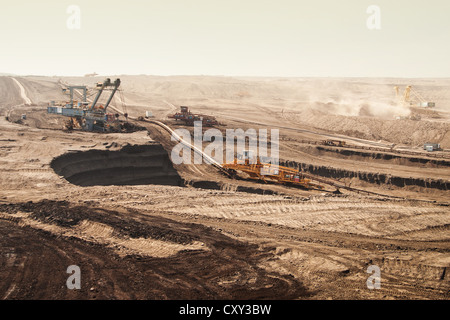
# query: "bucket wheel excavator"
89, 117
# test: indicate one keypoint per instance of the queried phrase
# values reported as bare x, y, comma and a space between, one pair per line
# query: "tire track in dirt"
23, 93
189, 274
334, 264
366, 216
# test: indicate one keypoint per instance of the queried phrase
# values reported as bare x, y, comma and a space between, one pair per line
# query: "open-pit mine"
88, 179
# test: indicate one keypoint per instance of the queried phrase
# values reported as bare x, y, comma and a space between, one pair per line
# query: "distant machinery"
148, 114
334, 143
412, 98
70, 89
188, 117
89, 117
432, 147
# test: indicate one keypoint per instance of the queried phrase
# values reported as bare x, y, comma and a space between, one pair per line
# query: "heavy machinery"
89, 117
189, 118
267, 172
412, 98
334, 143
430, 147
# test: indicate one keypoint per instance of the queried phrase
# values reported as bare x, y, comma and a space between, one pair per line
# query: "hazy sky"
227, 37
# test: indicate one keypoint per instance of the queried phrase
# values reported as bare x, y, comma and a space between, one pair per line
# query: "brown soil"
34, 260
141, 228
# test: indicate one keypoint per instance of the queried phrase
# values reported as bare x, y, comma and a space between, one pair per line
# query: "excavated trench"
131, 165
380, 157
150, 164
371, 177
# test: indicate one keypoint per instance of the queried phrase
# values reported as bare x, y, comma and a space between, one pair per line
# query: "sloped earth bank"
370, 177
131, 165
34, 258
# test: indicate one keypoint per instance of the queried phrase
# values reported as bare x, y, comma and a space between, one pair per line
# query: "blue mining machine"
89, 117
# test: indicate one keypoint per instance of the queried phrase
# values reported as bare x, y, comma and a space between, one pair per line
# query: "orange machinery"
268, 172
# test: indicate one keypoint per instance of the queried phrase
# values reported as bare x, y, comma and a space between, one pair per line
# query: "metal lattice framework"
268, 172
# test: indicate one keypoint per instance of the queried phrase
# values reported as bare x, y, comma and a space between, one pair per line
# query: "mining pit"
131, 165
141, 227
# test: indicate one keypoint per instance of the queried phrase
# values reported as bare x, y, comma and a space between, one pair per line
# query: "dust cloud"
356, 99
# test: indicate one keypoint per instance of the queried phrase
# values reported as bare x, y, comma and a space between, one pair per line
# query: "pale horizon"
287, 38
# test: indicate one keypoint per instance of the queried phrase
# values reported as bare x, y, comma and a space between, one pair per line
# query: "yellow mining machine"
412, 98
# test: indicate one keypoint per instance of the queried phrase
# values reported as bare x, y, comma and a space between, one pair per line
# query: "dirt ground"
189, 232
